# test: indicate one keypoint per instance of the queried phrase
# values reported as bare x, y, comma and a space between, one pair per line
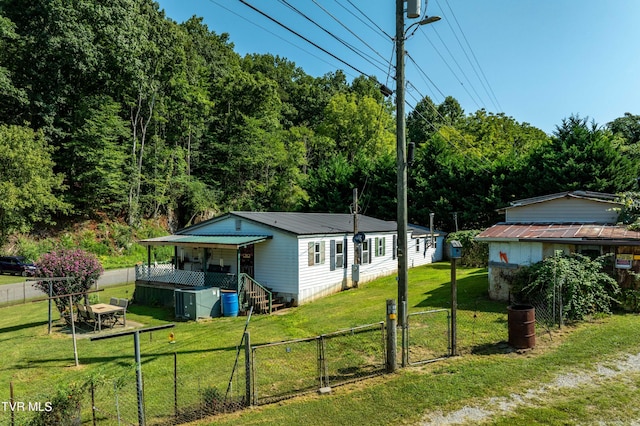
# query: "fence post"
136, 344
392, 343
93, 403
175, 384
405, 334
454, 309
13, 416
247, 368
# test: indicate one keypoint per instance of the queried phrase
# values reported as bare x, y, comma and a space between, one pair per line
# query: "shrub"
585, 288
84, 269
64, 408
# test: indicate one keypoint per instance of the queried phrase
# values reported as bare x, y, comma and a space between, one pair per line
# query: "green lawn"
11, 279
37, 363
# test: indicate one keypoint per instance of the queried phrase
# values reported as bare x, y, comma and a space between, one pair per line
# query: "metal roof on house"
576, 233
424, 231
586, 195
318, 223
308, 223
212, 241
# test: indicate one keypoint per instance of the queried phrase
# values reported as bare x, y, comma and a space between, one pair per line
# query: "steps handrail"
244, 278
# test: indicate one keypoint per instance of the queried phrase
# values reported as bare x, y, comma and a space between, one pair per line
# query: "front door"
246, 260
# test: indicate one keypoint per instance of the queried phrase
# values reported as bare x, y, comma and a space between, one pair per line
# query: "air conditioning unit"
197, 303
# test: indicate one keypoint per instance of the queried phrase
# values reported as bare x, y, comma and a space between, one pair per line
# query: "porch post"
175, 257
149, 256
238, 271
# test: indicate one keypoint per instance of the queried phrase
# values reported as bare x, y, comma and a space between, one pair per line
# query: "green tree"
29, 189
12, 98
627, 126
97, 175
580, 155
358, 125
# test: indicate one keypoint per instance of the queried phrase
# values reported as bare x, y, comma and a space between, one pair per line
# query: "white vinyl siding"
564, 210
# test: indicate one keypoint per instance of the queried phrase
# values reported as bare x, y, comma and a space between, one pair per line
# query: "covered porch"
222, 261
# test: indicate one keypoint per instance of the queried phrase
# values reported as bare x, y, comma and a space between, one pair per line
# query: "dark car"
16, 265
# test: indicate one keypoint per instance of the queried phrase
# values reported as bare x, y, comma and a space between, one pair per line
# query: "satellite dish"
359, 238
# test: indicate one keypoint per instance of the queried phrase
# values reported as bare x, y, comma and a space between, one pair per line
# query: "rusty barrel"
522, 326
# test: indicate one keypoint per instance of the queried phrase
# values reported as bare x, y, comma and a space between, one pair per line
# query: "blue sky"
537, 61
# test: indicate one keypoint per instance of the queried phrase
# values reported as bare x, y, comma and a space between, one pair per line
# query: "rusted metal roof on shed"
561, 232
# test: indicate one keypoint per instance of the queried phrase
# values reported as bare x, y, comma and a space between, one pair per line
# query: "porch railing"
254, 294
167, 273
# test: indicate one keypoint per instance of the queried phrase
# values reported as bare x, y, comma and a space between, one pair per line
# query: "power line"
424, 74
358, 52
389, 37
449, 141
304, 38
271, 32
458, 64
349, 30
474, 57
452, 71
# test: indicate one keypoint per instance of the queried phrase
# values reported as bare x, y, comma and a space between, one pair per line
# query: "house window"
380, 246
366, 258
316, 253
394, 250
339, 254
417, 245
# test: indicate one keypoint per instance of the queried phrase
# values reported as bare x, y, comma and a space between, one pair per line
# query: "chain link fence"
284, 369
428, 336
481, 326
189, 386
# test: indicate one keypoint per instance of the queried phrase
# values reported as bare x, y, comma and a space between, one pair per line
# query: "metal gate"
428, 336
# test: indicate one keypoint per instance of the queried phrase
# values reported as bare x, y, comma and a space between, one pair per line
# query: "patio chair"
118, 317
91, 318
114, 301
83, 316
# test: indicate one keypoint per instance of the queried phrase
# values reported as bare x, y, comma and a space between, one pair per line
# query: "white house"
295, 257
535, 228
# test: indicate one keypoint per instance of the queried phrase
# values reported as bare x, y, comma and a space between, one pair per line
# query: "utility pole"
356, 246
413, 11
401, 162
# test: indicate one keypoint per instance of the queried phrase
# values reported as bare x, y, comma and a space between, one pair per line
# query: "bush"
63, 408
84, 269
585, 288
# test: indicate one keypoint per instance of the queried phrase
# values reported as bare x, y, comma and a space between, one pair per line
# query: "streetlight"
401, 162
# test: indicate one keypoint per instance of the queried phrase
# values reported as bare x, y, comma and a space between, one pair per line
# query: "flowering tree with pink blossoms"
83, 267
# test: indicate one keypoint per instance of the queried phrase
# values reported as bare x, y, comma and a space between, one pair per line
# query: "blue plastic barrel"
230, 304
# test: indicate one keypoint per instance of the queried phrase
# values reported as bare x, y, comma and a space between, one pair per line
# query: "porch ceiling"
209, 241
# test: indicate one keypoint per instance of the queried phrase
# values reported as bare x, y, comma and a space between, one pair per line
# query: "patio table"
100, 309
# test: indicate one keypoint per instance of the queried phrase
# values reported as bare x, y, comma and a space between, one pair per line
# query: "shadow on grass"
120, 360
472, 295
23, 326
157, 312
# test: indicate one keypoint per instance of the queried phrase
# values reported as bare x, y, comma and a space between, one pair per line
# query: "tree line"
117, 110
